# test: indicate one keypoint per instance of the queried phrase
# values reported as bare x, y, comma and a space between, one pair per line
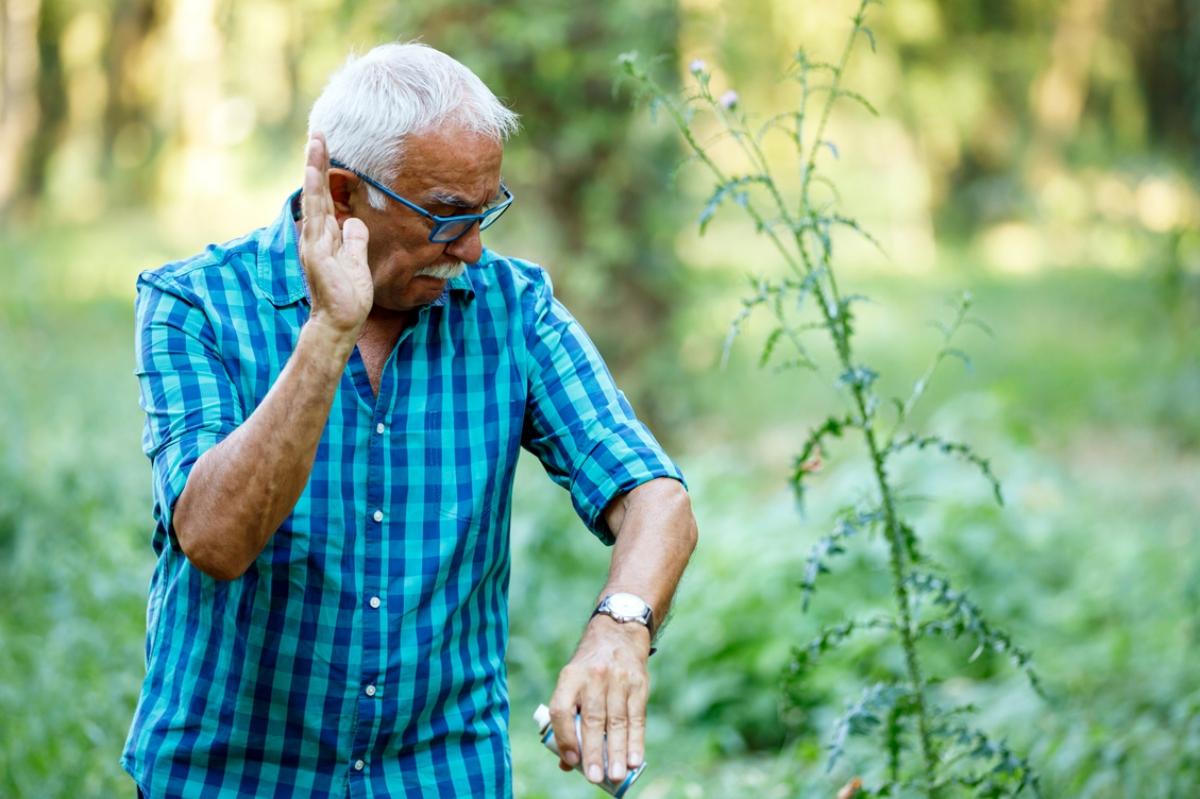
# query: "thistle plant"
929, 748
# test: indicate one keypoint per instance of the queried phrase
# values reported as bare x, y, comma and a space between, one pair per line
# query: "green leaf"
863, 716
849, 523
733, 189
953, 352
769, 346
870, 36
858, 377
952, 448
859, 99
962, 618
833, 426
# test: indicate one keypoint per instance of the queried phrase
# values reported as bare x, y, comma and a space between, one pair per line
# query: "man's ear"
342, 186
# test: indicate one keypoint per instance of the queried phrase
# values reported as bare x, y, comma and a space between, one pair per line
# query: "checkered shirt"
362, 653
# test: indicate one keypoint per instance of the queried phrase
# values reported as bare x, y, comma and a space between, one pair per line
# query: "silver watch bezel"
639, 609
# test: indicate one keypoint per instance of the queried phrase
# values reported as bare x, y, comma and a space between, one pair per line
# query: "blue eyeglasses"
445, 228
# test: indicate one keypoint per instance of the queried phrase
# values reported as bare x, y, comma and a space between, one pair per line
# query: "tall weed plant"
925, 743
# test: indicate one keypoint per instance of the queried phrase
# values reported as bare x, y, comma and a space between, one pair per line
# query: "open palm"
334, 256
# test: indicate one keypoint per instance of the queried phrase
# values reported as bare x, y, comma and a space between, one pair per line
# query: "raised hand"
334, 256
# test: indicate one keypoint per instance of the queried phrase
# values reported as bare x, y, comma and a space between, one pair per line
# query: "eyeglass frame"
485, 220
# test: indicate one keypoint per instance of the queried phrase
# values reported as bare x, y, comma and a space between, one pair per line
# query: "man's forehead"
463, 168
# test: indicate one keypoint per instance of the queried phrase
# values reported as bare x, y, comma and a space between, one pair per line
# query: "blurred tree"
589, 168
1089, 83
1165, 39
35, 141
51, 94
18, 100
126, 133
592, 168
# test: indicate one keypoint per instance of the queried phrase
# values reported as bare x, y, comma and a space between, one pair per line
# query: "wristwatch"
627, 608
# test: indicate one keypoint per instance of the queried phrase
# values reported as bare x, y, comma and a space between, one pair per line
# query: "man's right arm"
241, 490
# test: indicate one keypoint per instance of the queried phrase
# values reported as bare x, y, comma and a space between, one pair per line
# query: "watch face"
626, 605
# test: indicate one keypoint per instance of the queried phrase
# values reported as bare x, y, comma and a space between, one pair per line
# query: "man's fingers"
618, 725
315, 202
562, 719
314, 157
636, 743
594, 714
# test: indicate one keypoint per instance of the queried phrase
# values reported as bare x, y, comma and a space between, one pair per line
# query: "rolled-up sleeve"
186, 392
578, 423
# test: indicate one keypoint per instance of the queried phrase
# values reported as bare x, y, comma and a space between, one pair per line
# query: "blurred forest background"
1042, 155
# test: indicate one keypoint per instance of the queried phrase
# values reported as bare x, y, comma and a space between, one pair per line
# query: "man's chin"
419, 292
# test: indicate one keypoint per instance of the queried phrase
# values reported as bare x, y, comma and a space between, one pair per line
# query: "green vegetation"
1090, 563
927, 744
1042, 161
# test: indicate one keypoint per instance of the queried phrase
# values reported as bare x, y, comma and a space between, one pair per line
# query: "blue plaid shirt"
362, 654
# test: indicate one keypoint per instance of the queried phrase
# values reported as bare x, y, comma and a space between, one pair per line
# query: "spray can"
541, 717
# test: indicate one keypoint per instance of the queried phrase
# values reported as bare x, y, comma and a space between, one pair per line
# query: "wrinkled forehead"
452, 164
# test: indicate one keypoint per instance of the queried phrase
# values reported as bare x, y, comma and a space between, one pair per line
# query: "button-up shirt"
362, 653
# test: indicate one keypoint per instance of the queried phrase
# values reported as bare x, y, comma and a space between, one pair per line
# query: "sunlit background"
1042, 155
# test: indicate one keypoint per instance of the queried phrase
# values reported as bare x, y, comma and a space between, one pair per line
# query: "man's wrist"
328, 341
635, 636
627, 608
628, 611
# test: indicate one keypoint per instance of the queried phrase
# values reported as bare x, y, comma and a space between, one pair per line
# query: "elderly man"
335, 404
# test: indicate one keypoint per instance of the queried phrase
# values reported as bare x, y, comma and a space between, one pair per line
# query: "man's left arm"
606, 681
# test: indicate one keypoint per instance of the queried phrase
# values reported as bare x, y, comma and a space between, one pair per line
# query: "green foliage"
900, 706
72, 590
589, 173
1086, 404
1087, 562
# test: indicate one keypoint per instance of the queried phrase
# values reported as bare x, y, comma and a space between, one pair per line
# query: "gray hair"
375, 101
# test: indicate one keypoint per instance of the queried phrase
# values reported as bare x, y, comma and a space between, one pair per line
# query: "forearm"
656, 534
606, 681
242, 489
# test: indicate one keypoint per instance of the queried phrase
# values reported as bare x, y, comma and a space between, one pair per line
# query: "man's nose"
468, 248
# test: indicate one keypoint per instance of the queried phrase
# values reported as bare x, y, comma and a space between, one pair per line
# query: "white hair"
375, 101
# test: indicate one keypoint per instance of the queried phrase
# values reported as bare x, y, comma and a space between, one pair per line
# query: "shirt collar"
281, 276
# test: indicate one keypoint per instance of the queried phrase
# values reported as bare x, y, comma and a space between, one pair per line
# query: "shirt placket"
375, 523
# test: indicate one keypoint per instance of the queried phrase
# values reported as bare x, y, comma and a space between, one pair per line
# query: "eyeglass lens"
449, 231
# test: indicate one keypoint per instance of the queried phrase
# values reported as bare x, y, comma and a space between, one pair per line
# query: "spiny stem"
896, 552
894, 730
896, 560
892, 523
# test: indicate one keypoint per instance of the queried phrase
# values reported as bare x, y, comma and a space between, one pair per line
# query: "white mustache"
443, 271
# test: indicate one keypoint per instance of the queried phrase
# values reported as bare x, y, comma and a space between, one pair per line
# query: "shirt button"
375, 602
359, 765
378, 516
370, 690
379, 428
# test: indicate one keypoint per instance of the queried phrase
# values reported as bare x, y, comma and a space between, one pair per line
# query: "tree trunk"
51, 92
18, 92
